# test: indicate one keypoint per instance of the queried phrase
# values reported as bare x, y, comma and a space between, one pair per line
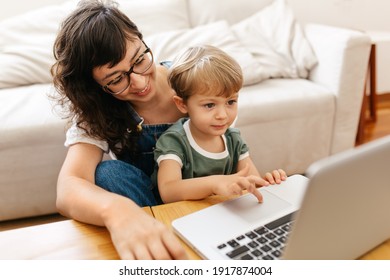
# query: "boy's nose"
221, 113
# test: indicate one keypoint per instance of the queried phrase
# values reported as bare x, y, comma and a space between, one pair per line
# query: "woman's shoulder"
75, 135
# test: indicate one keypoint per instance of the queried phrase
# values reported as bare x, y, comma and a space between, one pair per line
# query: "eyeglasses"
140, 66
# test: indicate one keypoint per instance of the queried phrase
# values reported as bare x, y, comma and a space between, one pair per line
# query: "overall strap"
137, 118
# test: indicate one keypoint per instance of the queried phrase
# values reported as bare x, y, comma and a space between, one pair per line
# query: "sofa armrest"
342, 67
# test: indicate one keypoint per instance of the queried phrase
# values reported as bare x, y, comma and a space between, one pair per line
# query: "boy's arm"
173, 188
248, 162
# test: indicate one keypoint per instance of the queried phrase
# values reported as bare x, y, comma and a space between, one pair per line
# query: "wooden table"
64, 240
72, 240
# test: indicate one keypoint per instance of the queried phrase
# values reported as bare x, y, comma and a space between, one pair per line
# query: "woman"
120, 102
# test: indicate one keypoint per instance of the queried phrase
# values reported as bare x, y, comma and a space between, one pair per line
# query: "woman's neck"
161, 108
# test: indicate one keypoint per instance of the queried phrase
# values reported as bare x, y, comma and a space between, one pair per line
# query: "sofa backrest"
207, 11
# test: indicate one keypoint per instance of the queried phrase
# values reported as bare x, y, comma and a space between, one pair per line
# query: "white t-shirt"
77, 135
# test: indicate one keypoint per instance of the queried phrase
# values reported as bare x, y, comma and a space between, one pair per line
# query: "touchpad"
248, 208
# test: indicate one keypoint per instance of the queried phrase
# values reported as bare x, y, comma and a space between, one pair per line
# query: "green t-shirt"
178, 144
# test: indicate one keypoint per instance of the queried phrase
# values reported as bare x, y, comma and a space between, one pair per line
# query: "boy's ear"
180, 104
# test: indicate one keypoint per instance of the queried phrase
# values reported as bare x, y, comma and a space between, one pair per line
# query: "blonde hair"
203, 70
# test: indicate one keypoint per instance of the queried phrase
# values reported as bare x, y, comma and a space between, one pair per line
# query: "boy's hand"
234, 184
276, 176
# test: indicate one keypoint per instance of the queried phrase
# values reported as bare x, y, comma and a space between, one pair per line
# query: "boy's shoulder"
174, 136
177, 127
232, 131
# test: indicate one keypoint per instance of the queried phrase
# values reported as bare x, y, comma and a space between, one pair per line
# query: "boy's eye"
209, 105
231, 102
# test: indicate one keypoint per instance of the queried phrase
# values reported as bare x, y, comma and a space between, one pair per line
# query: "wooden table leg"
373, 95
362, 120
370, 100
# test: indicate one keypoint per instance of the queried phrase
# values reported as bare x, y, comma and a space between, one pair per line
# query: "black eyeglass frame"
131, 70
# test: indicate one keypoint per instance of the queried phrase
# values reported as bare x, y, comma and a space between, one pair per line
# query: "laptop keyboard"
266, 242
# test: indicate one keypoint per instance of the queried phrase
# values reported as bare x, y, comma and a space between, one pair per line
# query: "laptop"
340, 209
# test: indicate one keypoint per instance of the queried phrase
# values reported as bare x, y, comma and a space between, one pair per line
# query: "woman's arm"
135, 234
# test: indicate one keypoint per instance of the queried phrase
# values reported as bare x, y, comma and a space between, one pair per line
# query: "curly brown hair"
93, 35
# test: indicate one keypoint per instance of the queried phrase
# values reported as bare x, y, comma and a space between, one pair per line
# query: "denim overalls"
133, 179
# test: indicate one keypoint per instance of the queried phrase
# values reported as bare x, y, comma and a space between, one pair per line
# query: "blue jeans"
125, 179
130, 177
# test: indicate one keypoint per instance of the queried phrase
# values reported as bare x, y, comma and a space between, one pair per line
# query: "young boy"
202, 155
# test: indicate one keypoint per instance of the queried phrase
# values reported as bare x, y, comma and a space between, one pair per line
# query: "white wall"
14, 7
356, 14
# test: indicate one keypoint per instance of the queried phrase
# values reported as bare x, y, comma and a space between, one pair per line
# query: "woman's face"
136, 88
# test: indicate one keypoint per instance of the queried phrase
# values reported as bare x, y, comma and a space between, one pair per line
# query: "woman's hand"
138, 236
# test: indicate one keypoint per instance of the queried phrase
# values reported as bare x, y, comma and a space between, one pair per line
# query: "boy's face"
211, 115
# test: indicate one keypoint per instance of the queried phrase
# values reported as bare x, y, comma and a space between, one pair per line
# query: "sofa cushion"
26, 40
280, 99
32, 152
26, 45
166, 45
205, 11
156, 16
286, 122
277, 41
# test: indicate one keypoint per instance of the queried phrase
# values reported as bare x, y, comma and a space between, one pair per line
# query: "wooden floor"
372, 131
381, 127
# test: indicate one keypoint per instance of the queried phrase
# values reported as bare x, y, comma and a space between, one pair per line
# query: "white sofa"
290, 116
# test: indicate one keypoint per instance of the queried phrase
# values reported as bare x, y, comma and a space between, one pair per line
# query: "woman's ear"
179, 102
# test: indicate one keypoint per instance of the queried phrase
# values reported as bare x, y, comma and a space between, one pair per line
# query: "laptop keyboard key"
251, 234
261, 230
253, 244
270, 235
241, 237
256, 253
266, 248
237, 251
262, 240
286, 228
277, 253
274, 244
246, 257
233, 243
279, 231
281, 221
282, 239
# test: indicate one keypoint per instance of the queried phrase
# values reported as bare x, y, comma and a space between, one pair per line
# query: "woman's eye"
117, 80
139, 60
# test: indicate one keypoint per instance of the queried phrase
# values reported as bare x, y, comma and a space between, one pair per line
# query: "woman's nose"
137, 80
